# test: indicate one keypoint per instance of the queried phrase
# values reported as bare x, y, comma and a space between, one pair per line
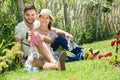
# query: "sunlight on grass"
103, 46
80, 70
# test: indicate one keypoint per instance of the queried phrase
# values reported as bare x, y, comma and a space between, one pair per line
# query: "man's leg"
60, 41
63, 42
75, 58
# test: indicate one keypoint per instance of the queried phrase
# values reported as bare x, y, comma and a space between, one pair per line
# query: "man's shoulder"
20, 23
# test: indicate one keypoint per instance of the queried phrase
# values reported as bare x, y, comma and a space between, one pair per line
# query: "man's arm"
18, 40
63, 33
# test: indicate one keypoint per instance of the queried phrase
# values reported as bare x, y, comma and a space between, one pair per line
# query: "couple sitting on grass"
40, 41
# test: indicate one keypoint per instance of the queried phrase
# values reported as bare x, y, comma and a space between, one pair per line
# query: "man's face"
30, 16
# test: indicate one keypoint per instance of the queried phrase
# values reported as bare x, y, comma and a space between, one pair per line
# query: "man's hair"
29, 7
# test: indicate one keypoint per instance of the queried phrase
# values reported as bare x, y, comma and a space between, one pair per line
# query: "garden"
93, 23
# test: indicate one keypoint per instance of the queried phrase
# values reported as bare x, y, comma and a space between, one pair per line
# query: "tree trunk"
20, 9
65, 13
97, 21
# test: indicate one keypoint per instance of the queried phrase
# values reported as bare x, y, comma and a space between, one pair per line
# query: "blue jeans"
62, 41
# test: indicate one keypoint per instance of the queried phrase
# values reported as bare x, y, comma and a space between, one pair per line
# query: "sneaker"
87, 54
91, 50
96, 52
61, 61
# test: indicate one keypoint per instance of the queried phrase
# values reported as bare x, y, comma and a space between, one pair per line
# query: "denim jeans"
62, 41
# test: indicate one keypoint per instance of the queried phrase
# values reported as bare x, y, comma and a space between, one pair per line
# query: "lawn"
80, 70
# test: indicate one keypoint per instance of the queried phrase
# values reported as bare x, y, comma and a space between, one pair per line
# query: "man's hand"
63, 33
69, 36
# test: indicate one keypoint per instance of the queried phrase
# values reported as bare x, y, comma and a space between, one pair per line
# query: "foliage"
72, 15
8, 22
9, 60
87, 35
5, 44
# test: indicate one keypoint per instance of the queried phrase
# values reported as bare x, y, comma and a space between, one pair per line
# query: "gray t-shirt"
20, 32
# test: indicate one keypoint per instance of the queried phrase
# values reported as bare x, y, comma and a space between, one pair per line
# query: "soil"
117, 64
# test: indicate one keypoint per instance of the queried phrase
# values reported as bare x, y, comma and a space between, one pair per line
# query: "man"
28, 24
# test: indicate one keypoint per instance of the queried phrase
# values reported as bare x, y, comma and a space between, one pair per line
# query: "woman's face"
45, 19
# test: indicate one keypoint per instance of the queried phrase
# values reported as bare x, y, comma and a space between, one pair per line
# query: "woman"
36, 59
44, 33
46, 20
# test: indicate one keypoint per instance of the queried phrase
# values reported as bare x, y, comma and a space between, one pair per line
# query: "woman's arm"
50, 37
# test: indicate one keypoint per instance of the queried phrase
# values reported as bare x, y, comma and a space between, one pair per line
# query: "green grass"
80, 70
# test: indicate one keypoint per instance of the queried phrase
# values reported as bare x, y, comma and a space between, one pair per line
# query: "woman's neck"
43, 28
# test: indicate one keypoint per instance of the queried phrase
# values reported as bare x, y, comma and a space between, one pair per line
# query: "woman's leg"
42, 63
50, 66
38, 62
44, 50
37, 41
60, 65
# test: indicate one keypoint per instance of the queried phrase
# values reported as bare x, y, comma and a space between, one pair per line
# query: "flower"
113, 42
118, 42
110, 62
105, 55
94, 55
108, 54
117, 36
100, 56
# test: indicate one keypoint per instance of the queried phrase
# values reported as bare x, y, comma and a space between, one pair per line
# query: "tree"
20, 8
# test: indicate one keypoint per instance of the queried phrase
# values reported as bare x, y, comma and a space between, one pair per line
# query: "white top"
20, 32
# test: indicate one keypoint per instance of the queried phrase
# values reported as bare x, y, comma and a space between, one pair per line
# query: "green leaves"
9, 59
1, 44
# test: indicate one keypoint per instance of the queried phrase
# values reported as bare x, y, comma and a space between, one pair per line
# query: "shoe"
87, 54
90, 49
31, 69
61, 61
96, 52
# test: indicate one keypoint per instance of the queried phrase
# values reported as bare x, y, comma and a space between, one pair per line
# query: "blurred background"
87, 20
